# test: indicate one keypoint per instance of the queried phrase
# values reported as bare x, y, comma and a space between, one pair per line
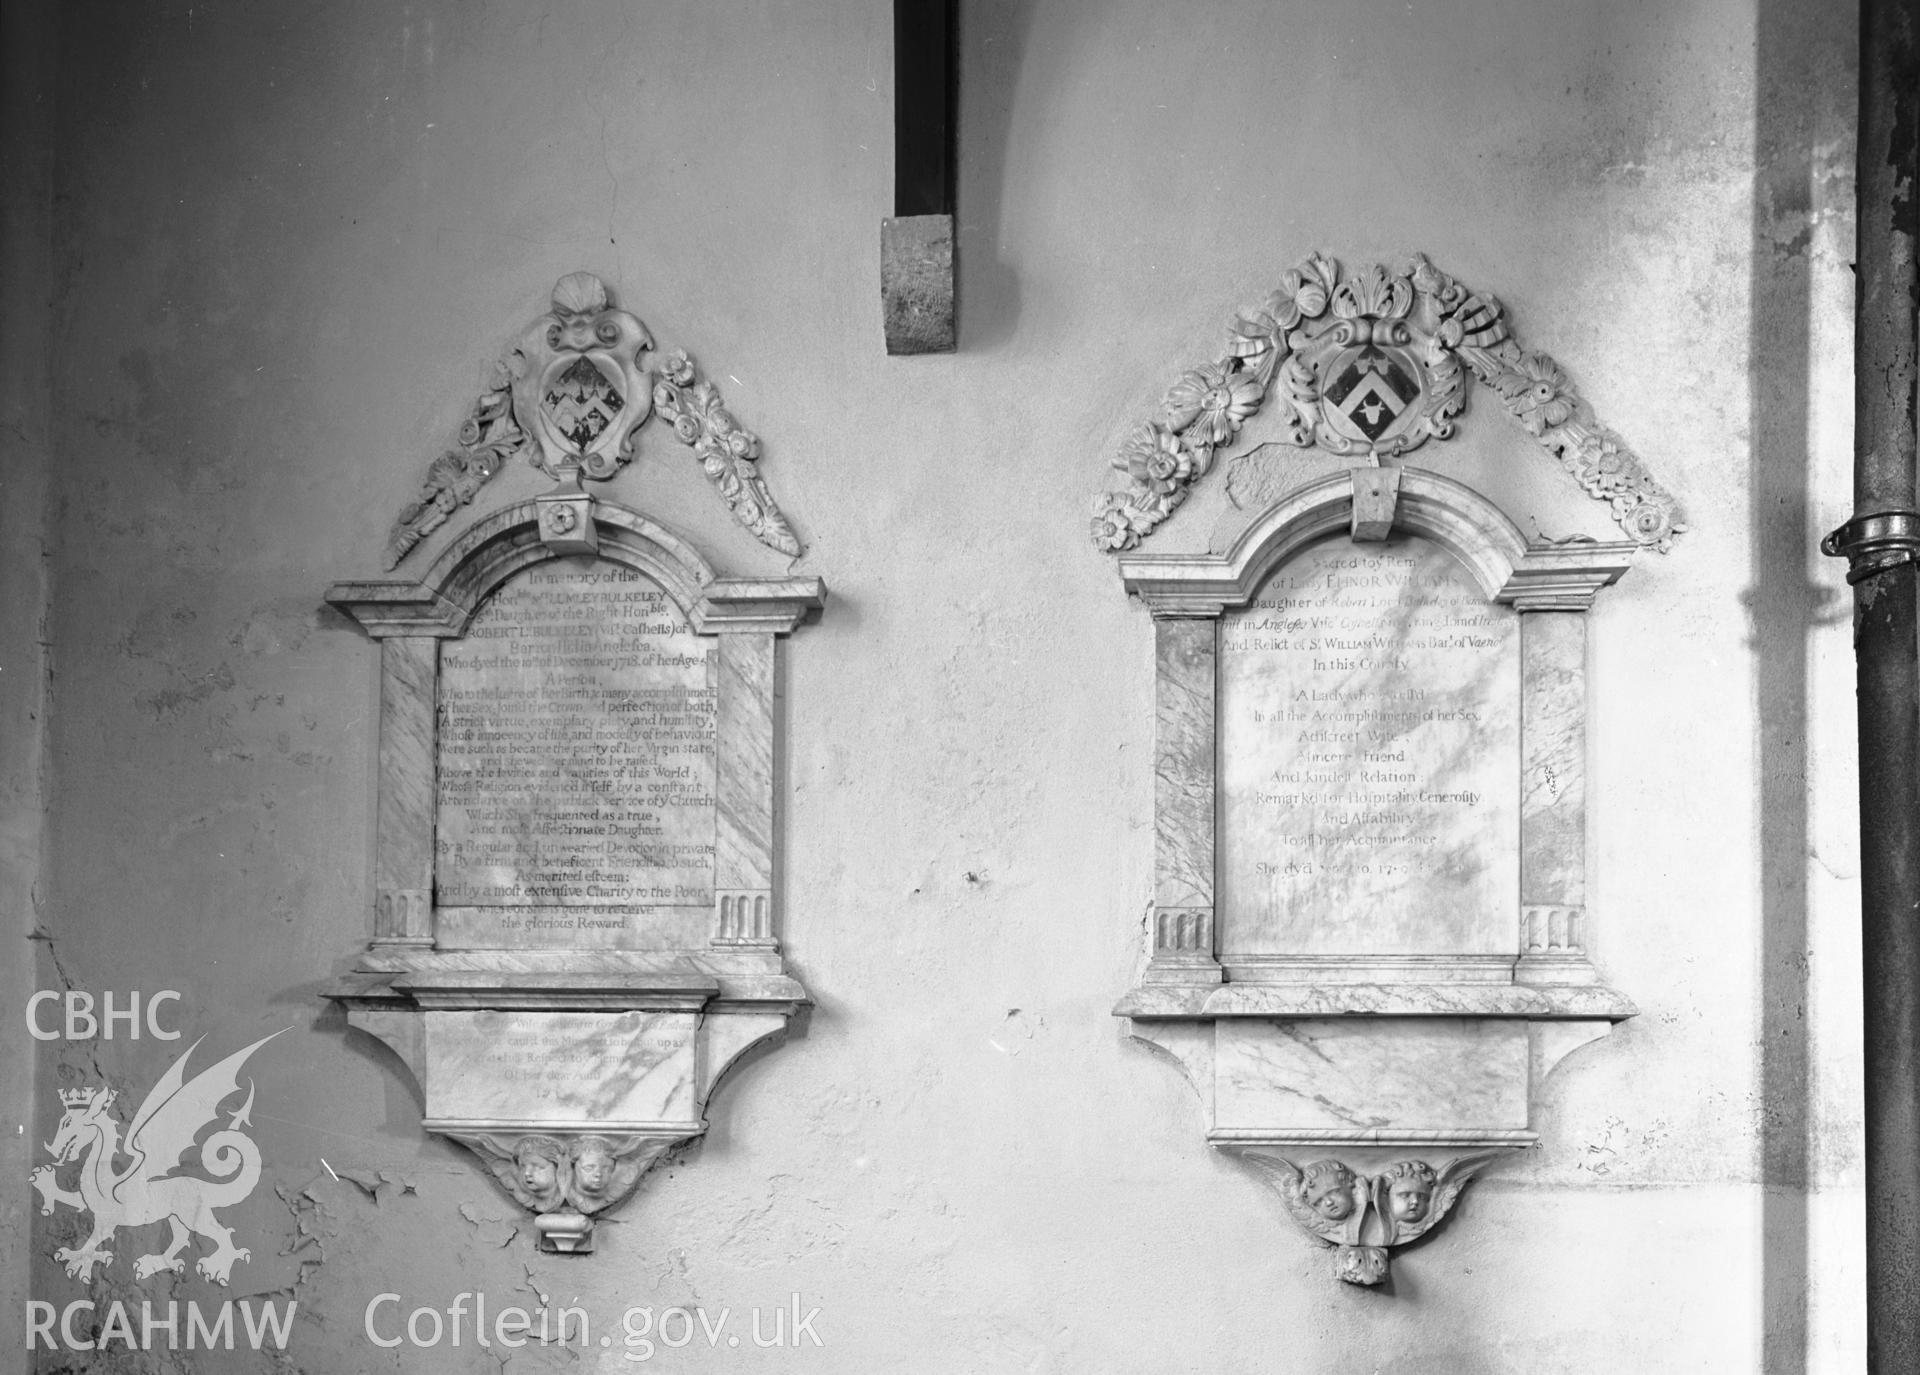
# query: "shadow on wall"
1796, 52
992, 51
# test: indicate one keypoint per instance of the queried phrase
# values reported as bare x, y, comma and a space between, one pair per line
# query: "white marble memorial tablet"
576, 765
558, 1068
1369, 759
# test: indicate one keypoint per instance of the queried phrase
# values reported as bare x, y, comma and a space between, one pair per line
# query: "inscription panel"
576, 769
1417, 1072
561, 1067
1369, 759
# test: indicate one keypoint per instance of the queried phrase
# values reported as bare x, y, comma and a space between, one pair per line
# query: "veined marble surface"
561, 1067
1553, 803
1370, 1075
409, 683
743, 856
1370, 758
1576, 1002
1183, 749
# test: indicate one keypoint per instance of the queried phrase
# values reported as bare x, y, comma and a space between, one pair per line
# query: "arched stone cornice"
1451, 514
508, 541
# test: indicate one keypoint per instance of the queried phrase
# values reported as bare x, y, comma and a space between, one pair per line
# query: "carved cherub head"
1410, 1186
592, 1165
538, 1160
1327, 1186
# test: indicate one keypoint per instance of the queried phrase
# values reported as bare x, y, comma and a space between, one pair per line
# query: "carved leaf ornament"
1370, 364
570, 397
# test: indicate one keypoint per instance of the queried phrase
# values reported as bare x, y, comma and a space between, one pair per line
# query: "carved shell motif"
1372, 365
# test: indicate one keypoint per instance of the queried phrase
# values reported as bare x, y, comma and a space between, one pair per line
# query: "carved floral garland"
1266, 354
727, 452
488, 439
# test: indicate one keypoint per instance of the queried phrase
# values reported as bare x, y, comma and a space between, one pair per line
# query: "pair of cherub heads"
1363, 1215
583, 1173
1402, 1194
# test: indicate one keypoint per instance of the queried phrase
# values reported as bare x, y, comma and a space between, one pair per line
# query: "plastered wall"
284, 242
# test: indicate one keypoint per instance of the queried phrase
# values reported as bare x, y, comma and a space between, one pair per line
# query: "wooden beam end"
916, 283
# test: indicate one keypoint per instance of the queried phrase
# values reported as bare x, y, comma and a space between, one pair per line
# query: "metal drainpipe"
1881, 544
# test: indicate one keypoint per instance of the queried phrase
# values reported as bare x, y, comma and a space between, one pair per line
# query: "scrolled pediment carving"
1370, 365
570, 396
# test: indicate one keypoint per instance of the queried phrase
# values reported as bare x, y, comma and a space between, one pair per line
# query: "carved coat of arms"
570, 397
1369, 365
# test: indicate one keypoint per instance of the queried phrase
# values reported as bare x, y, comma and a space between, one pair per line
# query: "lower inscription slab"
1371, 1075
561, 1068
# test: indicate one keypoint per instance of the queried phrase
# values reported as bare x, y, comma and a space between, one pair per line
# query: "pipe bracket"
1873, 544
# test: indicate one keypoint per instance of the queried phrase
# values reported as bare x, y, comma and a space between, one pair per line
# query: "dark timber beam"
1882, 544
916, 244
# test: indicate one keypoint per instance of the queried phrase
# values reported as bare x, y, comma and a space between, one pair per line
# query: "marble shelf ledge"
1392, 1138
478, 988
722, 978
1201, 1002
672, 1130
1326, 971
779, 995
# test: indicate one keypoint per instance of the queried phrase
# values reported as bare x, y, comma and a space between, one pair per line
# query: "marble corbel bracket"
1316, 1105
559, 1141
1348, 1076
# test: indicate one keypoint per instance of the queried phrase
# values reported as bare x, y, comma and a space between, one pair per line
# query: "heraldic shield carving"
579, 381
570, 396
1367, 376
1370, 365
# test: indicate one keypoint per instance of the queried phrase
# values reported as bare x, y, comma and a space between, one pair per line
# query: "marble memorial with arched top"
576, 892
1369, 938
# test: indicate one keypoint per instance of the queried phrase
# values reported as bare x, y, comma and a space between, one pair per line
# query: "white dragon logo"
148, 1190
